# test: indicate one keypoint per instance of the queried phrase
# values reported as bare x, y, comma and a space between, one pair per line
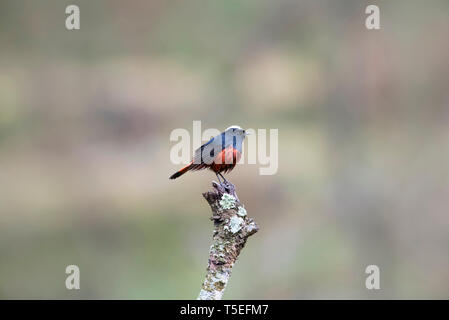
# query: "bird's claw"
223, 185
226, 186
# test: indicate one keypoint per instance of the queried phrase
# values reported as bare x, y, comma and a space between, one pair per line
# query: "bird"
219, 154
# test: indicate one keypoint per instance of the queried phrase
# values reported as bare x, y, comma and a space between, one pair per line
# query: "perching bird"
219, 154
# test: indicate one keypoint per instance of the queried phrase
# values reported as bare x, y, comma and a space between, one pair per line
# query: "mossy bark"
232, 227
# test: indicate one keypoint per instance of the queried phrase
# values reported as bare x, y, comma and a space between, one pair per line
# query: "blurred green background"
85, 119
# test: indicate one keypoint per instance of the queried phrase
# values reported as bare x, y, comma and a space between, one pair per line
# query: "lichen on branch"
232, 228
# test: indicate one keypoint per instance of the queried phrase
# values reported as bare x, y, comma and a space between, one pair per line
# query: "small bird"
219, 154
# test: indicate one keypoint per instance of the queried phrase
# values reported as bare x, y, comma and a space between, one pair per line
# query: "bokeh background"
85, 119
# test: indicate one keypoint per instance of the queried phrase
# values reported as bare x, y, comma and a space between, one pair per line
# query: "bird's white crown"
233, 127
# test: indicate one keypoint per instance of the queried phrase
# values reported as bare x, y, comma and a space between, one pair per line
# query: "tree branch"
232, 228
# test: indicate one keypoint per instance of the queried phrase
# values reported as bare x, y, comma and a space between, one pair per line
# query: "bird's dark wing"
206, 153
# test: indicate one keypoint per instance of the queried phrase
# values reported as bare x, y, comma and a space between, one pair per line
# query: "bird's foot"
225, 187
225, 183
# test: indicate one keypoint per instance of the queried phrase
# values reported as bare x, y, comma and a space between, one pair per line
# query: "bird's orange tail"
179, 173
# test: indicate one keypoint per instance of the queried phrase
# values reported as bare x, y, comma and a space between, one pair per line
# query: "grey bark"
232, 228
